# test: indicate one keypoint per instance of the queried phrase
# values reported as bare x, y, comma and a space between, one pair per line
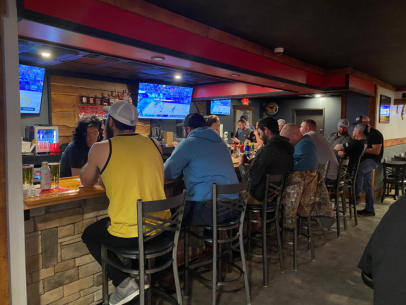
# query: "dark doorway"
299, 115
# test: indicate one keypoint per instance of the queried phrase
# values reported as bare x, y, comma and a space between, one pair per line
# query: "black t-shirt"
353, 149
374, 137
74, 156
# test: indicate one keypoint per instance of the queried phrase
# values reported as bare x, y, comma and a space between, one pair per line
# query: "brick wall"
60, 269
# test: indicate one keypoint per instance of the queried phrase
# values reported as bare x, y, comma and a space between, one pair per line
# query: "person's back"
325, 153
305, 155
134, 171
204, 159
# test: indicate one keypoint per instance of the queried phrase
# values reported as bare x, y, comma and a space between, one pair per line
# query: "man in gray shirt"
323, 149
341, 136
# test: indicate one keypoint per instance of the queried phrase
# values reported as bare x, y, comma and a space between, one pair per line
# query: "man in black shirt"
86, 133
274, 157
369, 161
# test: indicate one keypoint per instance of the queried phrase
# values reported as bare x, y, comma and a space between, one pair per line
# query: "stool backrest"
322, 169
394, 172
275, 185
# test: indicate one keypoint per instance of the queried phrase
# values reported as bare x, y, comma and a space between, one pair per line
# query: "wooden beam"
4, 264
372, 109
344, 105
393, 142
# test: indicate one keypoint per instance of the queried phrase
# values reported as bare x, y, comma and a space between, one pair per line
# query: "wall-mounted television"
220, 107
31, 86
157, 101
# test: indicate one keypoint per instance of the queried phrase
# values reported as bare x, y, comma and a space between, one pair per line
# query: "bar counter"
59, 268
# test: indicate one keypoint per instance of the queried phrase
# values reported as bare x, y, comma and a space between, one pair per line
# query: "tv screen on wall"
31, 81
157, 101
220, 107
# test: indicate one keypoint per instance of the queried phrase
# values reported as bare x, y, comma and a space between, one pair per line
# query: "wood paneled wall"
4, 264
65, 101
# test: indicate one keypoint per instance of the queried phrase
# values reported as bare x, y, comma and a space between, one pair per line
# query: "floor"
332, 279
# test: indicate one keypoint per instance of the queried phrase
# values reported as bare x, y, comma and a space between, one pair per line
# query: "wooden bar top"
72, 192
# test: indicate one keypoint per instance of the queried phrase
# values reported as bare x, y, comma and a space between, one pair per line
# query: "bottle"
45, 176
247, 150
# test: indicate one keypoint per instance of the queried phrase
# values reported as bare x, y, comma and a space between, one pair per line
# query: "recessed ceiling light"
235, 75
45, 54
158, 58
317, 95
178, 76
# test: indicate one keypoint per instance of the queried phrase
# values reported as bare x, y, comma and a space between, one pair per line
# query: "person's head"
193, 121
122, 118
307, 126
281, 123
359, 132
242, 124
267, 128
87, 131
342, 127
213, 122
245, 118
292, 132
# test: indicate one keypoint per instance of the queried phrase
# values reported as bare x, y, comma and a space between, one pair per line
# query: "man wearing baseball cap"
341, 136
131, 168
369, 161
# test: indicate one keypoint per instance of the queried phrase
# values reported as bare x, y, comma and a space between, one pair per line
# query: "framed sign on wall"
384, 109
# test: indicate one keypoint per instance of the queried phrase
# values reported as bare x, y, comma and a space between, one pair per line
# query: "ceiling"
366, 35
70, 60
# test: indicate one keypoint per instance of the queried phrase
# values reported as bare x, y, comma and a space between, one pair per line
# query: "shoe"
365, 213
125, 292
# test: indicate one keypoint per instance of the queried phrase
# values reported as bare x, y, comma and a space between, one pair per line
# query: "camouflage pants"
306, 195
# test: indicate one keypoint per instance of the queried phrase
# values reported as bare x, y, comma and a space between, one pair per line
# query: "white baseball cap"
124, 112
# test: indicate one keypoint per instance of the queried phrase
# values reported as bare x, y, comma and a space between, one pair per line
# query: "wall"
37, 119
356, 105
331, 105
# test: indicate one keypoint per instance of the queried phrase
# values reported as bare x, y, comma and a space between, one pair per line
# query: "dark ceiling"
369, 36
67, 60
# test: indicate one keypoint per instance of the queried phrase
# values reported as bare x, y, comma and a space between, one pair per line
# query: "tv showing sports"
220, 107
157, 101
31, 85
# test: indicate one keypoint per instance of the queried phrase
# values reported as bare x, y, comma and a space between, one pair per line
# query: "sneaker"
365, 213
125, 292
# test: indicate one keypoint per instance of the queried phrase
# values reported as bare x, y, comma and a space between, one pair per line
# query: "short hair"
311, 123
194, 120
244, 117
242, 121
360, 127
79, 134
269, 123
122, 126
211, 119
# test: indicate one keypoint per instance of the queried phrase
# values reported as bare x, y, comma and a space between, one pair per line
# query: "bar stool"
394, 174
224, 238
270, 213
156, 238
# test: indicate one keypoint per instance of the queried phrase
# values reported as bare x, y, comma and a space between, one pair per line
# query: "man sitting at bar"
275, 157
213, 122
203, 159
323, 149
131, 168
305, 193
75, 155
341, 136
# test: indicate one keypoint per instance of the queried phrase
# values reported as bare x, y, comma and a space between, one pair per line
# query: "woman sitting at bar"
75, 155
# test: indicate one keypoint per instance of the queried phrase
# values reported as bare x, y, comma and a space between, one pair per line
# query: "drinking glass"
28, 178
55, 173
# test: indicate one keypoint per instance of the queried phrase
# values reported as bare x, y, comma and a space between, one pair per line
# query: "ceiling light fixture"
157, 58
178, 76
317, 95
235, 75
279, 50
45, 54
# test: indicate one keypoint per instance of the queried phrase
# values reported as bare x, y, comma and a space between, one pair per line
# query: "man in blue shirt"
203, 159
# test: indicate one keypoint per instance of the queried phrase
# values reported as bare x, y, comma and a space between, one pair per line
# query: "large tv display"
220, 107
156, 101
31, 85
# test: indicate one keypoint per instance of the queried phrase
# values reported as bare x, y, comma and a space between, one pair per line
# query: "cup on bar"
28, 179
55, 174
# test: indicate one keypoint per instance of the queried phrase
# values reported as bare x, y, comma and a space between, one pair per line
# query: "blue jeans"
364, 182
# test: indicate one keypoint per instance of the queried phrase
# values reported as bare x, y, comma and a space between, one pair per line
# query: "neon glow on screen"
157, 101
220, 107
31, 85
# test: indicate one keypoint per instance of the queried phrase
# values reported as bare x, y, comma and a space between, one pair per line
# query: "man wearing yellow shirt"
131, 168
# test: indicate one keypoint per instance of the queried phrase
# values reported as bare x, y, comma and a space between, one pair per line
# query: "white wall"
396, 127
15, 207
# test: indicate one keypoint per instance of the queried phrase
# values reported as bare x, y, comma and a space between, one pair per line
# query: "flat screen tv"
157, 101
220, 107
31, 85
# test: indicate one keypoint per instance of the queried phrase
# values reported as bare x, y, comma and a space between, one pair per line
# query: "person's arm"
75, 171
177, 162
374, 150
90, 172
258, 168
